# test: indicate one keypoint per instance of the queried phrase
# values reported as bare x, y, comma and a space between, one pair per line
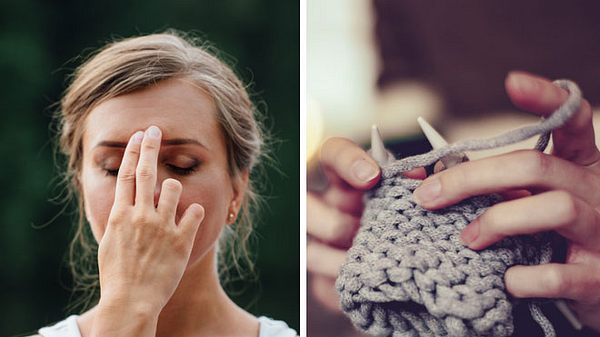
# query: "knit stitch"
407, 272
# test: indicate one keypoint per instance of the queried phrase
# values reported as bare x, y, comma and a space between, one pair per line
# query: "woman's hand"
143, 253
334, 214
558, 192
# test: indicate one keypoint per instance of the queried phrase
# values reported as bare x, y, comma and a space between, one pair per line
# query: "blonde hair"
132, 64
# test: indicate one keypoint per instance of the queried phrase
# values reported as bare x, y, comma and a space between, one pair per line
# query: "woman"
160, 138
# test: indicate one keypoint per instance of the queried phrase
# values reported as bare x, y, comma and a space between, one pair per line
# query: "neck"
200, 305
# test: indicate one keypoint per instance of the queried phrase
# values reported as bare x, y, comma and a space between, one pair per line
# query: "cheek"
215, 201
98, 196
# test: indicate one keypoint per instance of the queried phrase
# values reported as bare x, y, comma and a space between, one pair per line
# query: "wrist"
124, 318
117, 305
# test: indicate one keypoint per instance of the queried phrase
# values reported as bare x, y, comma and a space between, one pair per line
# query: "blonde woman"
161, 138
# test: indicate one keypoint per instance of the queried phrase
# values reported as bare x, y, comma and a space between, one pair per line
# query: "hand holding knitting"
143, 253
556, 192
334, 215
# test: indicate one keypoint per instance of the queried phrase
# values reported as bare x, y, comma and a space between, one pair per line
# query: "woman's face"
193, 151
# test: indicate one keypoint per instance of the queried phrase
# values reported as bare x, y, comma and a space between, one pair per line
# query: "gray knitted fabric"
407, 273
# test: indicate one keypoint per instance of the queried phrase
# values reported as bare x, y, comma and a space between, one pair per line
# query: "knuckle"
535, 164
566, 207
145, 172
118, 214
491, 220
339, 228
336, 149
553, 281
126, 175
455, 178
313, 259
493, 226
142, 218
329, 144
334, 229
132, 151
150, 145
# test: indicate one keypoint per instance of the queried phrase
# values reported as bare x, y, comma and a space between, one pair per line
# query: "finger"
514, 194
146, 170
323, 290
125, 188
553, 280
344, 198
324, 260
574, 141
190, 221
516, 170
169, 198
346, 163
330, 224
550, 211
417, 173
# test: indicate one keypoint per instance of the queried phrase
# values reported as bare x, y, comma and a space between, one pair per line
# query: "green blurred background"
40, 42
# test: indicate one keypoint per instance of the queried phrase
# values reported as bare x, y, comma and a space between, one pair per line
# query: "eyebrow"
166, 142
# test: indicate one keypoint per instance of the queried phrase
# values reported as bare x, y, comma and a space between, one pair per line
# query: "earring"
232, 215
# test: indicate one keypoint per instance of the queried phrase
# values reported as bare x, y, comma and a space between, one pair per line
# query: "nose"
157, 191
160, 177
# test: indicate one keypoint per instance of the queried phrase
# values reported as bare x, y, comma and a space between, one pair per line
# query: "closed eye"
182, 171
109, 172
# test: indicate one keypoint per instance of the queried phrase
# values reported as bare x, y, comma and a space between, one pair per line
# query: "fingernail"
524, 83
470, 233
153, 132
364, 170
429, 190
137, 137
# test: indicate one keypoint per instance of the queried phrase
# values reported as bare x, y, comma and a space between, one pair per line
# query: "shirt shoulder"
65, 328
274, 328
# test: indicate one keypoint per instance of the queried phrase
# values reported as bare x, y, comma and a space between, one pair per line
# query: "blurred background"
40, 45
387, 62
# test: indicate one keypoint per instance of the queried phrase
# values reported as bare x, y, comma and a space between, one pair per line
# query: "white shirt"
68, 328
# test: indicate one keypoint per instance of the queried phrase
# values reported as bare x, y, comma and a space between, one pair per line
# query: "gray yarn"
408, 274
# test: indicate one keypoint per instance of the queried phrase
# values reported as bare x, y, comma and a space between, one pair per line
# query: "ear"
76, 181
240, 186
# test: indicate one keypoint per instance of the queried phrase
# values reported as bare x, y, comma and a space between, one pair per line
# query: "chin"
200, 254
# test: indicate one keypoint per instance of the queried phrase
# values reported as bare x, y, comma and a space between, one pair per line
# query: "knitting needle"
437, 141
568, 313
378, 151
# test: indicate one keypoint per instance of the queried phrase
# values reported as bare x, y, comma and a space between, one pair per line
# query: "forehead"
177, 107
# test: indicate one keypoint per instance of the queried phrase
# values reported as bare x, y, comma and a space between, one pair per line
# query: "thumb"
575, 141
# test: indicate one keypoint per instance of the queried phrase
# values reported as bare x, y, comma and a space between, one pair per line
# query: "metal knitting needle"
378, 151
437, 141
